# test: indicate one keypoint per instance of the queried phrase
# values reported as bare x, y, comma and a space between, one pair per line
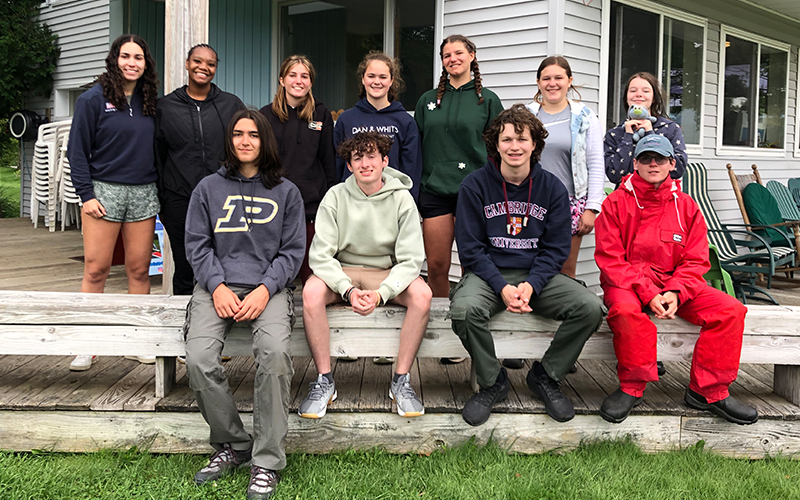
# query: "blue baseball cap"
656, 144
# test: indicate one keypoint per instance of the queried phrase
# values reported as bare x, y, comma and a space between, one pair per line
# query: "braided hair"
472, 49
202, 46
114, 83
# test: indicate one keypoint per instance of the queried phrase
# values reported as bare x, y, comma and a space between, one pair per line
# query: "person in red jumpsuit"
652, 251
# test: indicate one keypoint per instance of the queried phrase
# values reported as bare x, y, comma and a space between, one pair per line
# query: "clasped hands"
664, 305
364, 301
228, 305
516, 298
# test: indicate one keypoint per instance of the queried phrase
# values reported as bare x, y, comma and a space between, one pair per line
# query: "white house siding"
82, 27
512, 39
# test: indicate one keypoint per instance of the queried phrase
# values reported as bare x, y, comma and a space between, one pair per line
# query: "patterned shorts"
576, 206
127, 202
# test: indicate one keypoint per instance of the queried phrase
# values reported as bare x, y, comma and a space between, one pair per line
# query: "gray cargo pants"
205, 337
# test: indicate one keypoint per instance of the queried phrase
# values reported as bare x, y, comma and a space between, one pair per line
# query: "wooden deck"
45, 406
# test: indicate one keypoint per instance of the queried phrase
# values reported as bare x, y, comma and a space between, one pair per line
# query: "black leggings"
173, 217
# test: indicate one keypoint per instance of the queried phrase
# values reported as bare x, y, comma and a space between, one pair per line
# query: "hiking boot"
262, 483
82, 363
479, 406
321, 393
729, 408
383, 360
618, 405
514, 363
408, 404
222, 462
558, 406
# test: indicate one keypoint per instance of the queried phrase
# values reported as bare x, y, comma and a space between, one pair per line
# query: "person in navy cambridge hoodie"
513, 235
303, 129
244, 238
111, 156
378, 111
190, 136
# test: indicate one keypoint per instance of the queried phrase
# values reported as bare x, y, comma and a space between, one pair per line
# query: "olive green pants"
473, 303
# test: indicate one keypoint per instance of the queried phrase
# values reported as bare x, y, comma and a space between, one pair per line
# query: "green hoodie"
452, 135
380, 231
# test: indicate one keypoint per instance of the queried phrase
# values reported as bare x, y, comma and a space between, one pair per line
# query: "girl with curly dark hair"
113, 170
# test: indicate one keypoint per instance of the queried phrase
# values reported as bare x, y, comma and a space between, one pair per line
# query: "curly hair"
279, 107
113, 81
522, 118
398, 85
472, 49
554, 61
268, 160
657, 108
363, 143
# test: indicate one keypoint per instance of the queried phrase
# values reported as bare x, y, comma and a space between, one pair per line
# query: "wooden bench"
52, 323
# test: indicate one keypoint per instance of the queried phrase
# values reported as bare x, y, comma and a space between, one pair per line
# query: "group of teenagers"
253, 199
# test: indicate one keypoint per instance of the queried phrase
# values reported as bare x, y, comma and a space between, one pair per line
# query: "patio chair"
68, 199
716, 276
786, 204
739, 182
757, 256
767, 219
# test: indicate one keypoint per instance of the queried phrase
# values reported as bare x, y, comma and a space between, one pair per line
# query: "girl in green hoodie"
451, 120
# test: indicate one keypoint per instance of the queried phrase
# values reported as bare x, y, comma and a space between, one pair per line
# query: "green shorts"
127, 202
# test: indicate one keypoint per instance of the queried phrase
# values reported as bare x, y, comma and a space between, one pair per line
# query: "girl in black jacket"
190, 133
303, 128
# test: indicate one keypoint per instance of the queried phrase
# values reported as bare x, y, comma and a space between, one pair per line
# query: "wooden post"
185, 25
165, 375
786, 382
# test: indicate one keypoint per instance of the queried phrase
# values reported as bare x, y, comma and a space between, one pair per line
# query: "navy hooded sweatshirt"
392, 121
485, 241
110, 144
240, 233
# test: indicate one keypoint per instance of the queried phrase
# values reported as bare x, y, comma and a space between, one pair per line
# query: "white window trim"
797, 111
736, 151
661, 10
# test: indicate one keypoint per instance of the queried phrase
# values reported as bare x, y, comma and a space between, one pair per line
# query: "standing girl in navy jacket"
113, 170
380, 111
642, 89
303, 128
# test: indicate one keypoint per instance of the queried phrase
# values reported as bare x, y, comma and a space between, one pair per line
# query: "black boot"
617, 406
479, 406
729, 408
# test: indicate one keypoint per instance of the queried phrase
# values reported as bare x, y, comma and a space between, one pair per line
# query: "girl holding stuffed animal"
643, 91
574, 151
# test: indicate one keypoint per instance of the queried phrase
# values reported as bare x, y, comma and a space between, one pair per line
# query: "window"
672, 49
753, 102
336, 35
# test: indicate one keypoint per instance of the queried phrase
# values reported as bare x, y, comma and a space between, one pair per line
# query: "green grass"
9, 192
606, 470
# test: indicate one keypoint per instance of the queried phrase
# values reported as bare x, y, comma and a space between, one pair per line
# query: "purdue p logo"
258, 211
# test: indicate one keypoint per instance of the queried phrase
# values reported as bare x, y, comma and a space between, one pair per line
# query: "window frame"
723, 150
662, 11
797, 110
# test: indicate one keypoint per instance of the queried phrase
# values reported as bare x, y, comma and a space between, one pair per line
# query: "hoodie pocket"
446, 177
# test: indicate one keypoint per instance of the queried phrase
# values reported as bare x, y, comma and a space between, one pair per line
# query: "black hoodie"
190, 138
306, 151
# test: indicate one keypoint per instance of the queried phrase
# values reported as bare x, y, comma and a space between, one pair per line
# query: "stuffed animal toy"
637, 112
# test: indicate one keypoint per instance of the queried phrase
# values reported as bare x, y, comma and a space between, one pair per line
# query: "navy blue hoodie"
393, 121
482, 228
110, 144
239, 232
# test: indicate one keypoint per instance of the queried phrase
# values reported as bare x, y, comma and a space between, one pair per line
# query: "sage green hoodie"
380, 231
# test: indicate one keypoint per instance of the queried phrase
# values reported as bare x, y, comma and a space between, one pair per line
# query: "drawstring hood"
669, 188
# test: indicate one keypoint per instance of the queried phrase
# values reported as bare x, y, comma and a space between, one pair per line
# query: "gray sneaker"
408, 404
321, 393
262, 483
222, 463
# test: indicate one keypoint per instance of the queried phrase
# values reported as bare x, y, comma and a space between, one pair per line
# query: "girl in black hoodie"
190, 133
303, 128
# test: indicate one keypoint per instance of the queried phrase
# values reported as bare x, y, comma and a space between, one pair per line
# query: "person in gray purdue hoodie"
245, 240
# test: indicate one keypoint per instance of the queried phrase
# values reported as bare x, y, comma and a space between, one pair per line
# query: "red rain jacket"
651, 240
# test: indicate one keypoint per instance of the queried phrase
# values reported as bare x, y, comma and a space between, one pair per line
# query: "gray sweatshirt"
240, 233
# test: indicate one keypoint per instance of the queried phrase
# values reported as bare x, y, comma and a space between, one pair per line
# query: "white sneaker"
145, 360
82, 363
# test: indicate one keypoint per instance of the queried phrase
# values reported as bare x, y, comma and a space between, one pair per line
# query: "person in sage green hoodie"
367, 252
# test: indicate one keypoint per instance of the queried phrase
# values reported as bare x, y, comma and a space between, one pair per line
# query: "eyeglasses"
648, 159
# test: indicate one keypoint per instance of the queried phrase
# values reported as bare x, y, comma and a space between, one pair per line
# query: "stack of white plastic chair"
70, 202
44, 188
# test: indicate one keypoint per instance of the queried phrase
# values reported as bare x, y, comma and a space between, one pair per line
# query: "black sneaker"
558, 406
514, 363
730, 408
222, 463
262, 483
618, 405
479, 406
